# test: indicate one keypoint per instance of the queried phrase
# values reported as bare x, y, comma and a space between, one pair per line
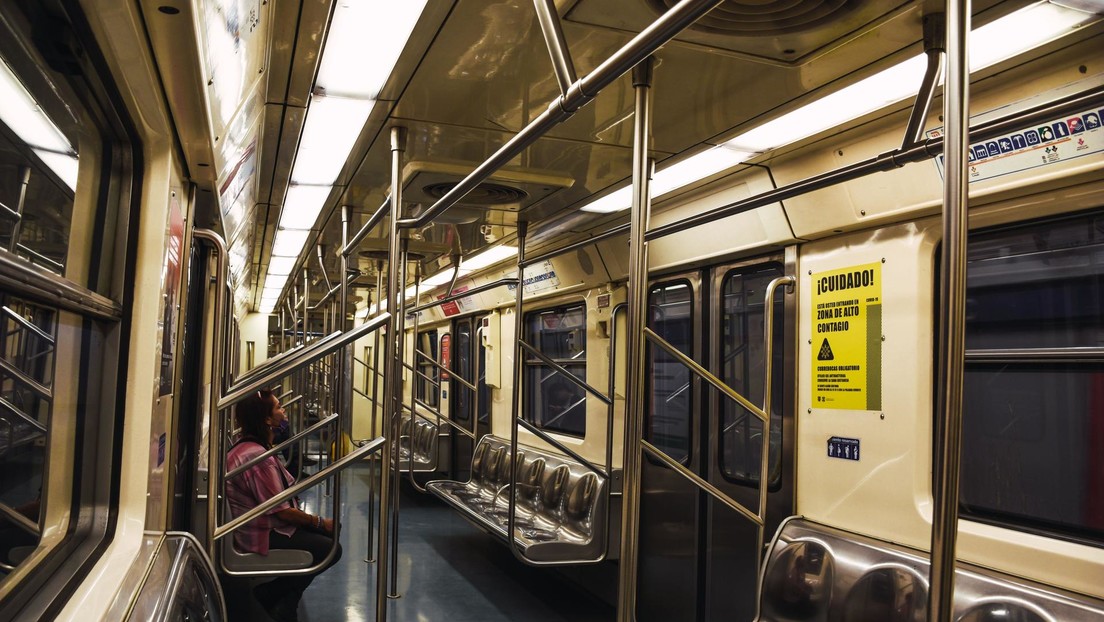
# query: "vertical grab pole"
952, 314
392, 373
396, 417
375, 376
518, 380
637, 303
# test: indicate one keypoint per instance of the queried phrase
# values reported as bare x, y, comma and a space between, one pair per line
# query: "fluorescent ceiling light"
281, 266
364, 41
678, 175
63, 165
289, 242
267, 306
332, 127
488, 257
444, 277
22, 114
302, 206
998, 40
273, 283
271, 292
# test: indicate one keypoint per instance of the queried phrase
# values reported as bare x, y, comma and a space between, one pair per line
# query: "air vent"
507, 190
483, 194
765, 18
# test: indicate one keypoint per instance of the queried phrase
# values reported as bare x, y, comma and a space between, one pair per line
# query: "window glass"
553, 402
1033, 421
27, 336
484, 401
429, 375
671, 316
742, 368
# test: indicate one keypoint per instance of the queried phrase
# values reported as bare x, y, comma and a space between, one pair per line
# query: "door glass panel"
742, 368
462, 367
671, 316
428, 378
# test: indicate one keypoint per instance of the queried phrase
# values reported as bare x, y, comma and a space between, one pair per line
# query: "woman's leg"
317, 544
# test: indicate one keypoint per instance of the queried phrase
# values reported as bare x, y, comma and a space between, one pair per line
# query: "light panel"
302, 206
1001, 39
444, 277
289, 242
22, 114
488, 257
365, 40
678, 175
281, 266
332, 127
63, 165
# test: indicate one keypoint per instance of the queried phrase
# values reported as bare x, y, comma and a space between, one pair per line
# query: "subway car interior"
545, 310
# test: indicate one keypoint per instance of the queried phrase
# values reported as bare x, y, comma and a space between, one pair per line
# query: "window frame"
531, 362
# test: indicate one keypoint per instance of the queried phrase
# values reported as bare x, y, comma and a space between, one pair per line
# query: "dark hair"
251, 412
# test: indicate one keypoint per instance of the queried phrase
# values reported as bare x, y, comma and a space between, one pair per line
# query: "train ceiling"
239, 76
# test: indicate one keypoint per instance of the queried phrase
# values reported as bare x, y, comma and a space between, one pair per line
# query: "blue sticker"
993, 147
1092, 121
843, 448
1018, 141
1061, 130
1006, 145
981, 151
1032, 137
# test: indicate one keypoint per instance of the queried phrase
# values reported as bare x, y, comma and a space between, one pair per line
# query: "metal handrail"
441, 418
445, 368
309, 354
887, 161
13, 409
38, 388
574, 246
38, 284
544, 436
29, 325
557, 45
275, 450
464, 294
1037, 355
701, 483
582, 384
20, 521
640, 47
298, 487
39, 256
704, 373
372, 221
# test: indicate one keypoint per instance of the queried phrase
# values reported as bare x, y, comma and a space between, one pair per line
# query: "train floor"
448, 571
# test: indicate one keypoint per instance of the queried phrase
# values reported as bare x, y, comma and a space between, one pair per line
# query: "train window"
1034, 397
671, 316
428, 388
65, 183
553, 402
741, 362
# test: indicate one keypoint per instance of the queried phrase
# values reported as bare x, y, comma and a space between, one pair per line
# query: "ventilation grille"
765, 18
483, 194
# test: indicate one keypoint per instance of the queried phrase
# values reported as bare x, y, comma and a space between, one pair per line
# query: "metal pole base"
394, 596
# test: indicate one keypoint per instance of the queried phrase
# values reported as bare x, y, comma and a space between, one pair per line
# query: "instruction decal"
843, 448
847, 338
1043, 144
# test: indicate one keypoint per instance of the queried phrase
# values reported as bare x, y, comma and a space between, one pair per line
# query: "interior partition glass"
742, 359
553, 402
1033, 418
670, 386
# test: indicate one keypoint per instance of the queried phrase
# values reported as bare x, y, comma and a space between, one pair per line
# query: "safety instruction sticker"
1042, 144
847, 338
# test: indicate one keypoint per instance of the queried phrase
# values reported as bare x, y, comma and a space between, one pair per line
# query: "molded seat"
560, 512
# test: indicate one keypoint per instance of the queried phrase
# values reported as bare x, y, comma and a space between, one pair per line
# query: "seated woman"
283, 527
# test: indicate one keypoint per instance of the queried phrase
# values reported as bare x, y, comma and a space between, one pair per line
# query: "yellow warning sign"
847, 338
